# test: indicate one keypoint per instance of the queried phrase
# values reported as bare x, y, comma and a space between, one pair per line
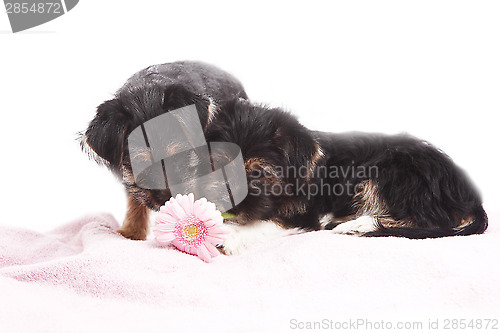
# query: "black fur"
416, 182
151, 92
269, 139
147, 94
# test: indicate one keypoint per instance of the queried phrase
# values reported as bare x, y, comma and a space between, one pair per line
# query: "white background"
429, 68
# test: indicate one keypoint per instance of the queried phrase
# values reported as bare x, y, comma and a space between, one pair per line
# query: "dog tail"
477, 226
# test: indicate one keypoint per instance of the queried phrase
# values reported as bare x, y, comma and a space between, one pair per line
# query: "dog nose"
160, 197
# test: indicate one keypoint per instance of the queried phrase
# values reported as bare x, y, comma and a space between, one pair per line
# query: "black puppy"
147, 94
365, 184
354, 183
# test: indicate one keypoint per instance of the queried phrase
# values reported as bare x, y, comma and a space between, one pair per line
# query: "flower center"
191, 231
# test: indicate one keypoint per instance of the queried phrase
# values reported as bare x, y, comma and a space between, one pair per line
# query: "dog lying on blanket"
298, 179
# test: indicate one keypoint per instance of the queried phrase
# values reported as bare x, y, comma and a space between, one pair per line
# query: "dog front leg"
136, 224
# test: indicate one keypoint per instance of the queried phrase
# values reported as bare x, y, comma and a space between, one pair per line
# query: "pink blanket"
85, 277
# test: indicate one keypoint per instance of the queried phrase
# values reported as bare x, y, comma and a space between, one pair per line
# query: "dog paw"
133, 234
243, 237
358, 226
235, 243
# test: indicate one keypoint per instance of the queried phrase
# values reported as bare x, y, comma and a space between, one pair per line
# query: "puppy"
298, 179
147, 94
353, 183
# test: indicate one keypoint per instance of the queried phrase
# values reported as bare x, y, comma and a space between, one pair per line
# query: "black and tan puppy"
353, 183
147, 94
298, 179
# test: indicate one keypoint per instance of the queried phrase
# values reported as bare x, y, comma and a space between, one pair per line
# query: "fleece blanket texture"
84, 277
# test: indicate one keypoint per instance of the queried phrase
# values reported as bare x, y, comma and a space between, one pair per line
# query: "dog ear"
301, 148
106, 134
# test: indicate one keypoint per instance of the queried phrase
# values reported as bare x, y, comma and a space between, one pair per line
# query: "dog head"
105, 139
279, 156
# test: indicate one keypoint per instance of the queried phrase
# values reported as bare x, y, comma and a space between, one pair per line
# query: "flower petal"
217, 231
167, 208
164, 227
166, 237
176, 210
181, 200
165, 218
214, 239
203, 253
214, 220
202, 201
199, 209
179, 245
209, 212
191, 250
210, 223
187, 203
212, 250
218, 216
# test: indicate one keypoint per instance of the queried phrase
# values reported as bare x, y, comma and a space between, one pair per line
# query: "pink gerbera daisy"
194, 227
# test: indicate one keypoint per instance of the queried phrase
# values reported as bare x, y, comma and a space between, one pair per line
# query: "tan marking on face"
176, 147
143, 155
265, 169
